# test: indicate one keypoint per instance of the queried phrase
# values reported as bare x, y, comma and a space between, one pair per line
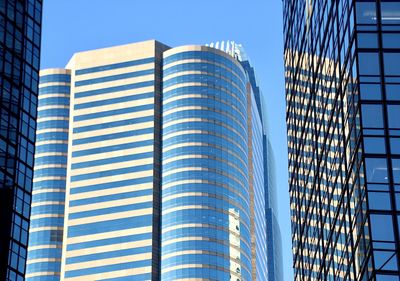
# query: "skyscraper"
343, 112
20, 32
164, 171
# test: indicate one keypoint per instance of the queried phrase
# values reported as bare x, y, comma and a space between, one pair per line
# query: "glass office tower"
161, 174
343, 111
20, 32
49, 177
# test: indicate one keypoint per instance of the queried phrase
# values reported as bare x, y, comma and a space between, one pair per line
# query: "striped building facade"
163, 169
50, 173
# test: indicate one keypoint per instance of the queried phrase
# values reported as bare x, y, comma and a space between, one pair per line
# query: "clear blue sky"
70, 26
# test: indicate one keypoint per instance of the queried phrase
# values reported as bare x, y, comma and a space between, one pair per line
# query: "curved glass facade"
48, 192
205, 191
160, 172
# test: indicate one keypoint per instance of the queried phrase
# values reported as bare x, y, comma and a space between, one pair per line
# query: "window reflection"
376, 170
390, 12
396, 170
366, 13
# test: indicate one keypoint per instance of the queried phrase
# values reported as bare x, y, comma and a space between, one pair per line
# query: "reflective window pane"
394, 116
390, 12
367, 40
392, 65
393, 91
385, 260
372, 116
382, 227
396, 170
391, 40
370, 91
376, 169
379, 200
368, 63
395, 145
366, 12
374, 145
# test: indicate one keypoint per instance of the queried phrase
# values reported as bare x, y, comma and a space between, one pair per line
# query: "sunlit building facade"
163, 168
49, 178
20, 37
343, 112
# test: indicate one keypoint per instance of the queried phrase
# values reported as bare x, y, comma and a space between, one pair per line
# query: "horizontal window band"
110, 185
44, 253
107, 167
43, 267
110, 225
196, 213
201, 99
105, 218
111, 197
51, 148
96, 103
193, 118
202, 66
113, 66
207, 230
55, 112
221, 93
52, 136
111, 254
191, 160
108, 173
227, 76
190, 262
50, 160
53, 101
111, 160
113, 89
49, 196
55, 78
204, 148
109, 241
45, 184
200, 173
114, 77
114, 136
80, 274
213, 188
112, 148
54, 90
197, 131
110, 210
208, 78
206, 56
44, 222
112, 124
113, 112
57, 125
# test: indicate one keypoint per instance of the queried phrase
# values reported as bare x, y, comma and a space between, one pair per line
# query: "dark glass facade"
343, 110
20, 31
